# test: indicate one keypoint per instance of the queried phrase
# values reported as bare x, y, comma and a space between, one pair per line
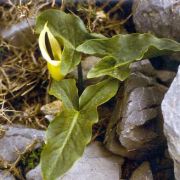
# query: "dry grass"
23, 83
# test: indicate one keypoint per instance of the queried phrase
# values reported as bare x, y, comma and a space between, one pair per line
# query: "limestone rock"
171, 114
87, 63
20, 34
52, 109
142, 172
135, 130
96, 163
145, 67
160, 17
34, 174
12, 2
165, 76
5, 175
15, 139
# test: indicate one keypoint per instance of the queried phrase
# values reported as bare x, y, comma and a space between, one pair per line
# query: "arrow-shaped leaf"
97, 94
130, 47
71, 131
109, 66
121, 50
67, 137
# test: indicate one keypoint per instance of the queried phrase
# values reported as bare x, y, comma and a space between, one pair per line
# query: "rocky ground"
140, 135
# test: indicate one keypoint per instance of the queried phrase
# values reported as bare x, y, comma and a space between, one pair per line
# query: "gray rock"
135, 129
52, 109
87, 63
20, 34
165, 76
23, 2
12, 2
5, 175
171, 114
96, 163
145, 67
160, 17
142, 172
15, 140
34, 174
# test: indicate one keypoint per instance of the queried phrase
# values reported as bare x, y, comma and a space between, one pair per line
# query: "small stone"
144, 67
20, 34
12, 2
16, 139
87, 63
142, 172
171, 113
34, 174
96, 162
49, 117
165, 77
5, 175
52, 109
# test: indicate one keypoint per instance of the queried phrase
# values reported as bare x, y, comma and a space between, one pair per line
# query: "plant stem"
80, 79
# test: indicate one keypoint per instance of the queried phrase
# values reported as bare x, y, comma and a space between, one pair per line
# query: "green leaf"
66, 91
67, 136
97, 94
70, 59
130, 47
109, 66
120, 51
65, 26
69, 30
70, 132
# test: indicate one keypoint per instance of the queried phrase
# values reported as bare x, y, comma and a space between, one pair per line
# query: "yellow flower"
52, 64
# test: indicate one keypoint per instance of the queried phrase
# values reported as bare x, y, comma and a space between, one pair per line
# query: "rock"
135, 130
34, 174
5, 175
142, 172
20, 34
160, 17
165, 76
96, 162
171, 114
87, 64
113, 145
15, 139
52, 109
145, 67
138, 111
12, 2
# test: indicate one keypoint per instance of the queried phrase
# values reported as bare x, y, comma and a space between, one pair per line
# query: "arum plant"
71, 130
66, 29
